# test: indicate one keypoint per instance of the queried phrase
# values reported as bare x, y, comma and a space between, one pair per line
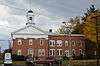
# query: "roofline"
68, 34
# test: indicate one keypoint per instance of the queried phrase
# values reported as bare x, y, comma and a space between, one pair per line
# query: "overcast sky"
50, 13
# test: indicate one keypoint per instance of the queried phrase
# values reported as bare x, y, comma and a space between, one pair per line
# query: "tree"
89, 26
89, 29
73, 22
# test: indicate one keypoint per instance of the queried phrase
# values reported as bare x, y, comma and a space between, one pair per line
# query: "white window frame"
80, 51
59, 43
30, 51
30, 41
41, 52
59, 52
41, 41
67, 53
52, 43
19, 42
74, 51
66, 43
19, 52
52, 52
73, 43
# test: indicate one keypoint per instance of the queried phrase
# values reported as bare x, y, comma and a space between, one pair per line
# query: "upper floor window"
41, 52
19, 41
30, 41
52, 42
41, 41
66, 43
73, 43
79, 43
59, 42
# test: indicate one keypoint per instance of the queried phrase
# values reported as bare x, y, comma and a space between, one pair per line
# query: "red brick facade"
56, 43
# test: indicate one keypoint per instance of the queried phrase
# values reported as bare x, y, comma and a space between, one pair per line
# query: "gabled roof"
30, 30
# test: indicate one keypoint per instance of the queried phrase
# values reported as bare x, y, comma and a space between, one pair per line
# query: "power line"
13, 6
8, 27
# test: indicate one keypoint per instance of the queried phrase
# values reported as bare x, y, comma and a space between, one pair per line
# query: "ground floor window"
52, 52
19, 52
41, 52
30, 51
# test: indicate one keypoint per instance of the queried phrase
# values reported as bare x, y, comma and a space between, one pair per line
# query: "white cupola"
30, 17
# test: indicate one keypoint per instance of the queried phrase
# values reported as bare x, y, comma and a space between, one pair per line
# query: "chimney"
50, 30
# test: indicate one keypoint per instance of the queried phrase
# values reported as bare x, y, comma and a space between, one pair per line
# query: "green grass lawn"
19, 62
15, 62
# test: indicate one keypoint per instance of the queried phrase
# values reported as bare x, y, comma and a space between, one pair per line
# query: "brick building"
33, 40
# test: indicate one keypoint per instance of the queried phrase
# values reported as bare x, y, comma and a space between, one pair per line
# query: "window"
52, 52
67, 53
66, 43
19, 41
59, 42
59, 52
80, 50
73, 43
30, 51
79, 42
30, 18
73, 51
41, 52
30, 41
41, 42
19, 52
52, 42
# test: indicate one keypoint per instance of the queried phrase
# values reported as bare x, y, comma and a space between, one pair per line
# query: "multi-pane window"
59, 52
78, 42
19, 41
30, 41
66, 43
80, 50
41, 41
30, 51
52, 43
41, 52
19, 52
73, 51
67, 53
59, 42
52, 52
73, 43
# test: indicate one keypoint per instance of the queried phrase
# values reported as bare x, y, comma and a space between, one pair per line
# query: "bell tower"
30, 17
